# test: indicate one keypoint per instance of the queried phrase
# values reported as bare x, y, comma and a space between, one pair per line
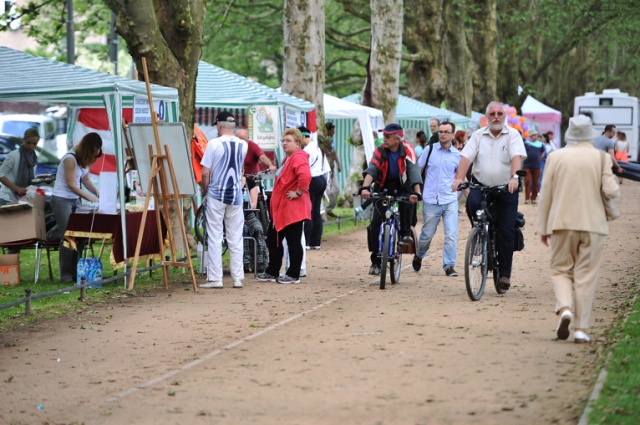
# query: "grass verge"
619, 400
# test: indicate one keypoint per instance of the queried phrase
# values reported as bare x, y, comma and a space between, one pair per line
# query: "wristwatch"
515, 176
299, 193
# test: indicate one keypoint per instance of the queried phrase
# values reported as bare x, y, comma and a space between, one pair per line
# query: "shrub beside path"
334, 349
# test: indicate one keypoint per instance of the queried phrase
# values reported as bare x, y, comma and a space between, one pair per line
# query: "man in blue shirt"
440, 164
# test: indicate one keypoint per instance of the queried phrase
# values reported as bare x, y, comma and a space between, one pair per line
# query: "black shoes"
451, 271
406, 240
374, 270
417, 263
504, 283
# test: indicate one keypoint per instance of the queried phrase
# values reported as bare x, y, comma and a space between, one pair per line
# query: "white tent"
370, 119
545, 117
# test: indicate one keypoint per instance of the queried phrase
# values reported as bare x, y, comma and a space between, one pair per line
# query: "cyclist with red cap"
393, 167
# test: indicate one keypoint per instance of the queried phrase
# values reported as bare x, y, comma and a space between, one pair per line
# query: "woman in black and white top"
319, 171
73, 171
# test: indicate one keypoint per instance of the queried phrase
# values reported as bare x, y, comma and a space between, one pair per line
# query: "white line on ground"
215, 352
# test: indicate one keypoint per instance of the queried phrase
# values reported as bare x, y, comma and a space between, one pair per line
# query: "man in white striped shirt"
222, 166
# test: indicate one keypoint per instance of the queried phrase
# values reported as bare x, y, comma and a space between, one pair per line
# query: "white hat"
580, 130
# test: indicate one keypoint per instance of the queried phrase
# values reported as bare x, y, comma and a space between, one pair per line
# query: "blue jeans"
431, 215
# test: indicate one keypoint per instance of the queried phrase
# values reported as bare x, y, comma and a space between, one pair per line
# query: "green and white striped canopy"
28, 78
219, 88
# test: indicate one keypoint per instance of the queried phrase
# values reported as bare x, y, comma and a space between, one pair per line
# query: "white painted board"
173, 135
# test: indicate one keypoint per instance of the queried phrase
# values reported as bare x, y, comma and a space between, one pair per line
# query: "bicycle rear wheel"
385, 255
396, 264
263, 214
199, 228
475, 264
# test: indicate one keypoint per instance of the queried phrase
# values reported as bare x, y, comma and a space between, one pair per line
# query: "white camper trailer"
612, 107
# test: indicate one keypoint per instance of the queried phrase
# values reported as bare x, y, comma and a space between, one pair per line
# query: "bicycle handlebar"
483, 188
381, 196
262, 175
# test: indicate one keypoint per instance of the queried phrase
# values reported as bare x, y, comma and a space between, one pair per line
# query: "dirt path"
334, 349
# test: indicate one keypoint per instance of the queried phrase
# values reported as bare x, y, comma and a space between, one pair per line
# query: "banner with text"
142, 112
264, 124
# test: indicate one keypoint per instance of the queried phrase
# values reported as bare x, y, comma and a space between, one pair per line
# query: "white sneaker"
237, 284
563, 325
579, 337
212, 284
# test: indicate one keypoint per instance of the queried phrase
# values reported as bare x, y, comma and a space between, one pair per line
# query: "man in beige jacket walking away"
572, 218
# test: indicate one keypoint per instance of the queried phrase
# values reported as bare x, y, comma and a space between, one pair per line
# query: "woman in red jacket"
290, 207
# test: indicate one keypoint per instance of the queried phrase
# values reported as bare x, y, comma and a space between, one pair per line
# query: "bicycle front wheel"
396, 263
475, 264
386, 236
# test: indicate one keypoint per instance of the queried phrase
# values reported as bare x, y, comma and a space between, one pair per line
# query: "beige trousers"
575, 266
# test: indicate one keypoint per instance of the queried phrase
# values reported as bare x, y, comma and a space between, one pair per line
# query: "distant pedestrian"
532, 165
420, 143
336, 168
605, 142
572, 218
319, 166
434, 124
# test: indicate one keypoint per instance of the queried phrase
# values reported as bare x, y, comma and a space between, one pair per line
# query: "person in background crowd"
319, 166
393, 167
572, 218
532, 165
420, 143
19, 168
496, 152
440, 164
72, 174
433, 127
334, 163
17, 171
460, 139
549, 146
605, 142
621, 147
290, 207
221, 184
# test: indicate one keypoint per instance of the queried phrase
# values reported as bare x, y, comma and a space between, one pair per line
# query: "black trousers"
293, 234
506, 208
313, 228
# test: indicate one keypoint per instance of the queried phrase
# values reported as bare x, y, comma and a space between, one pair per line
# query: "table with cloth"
108, 227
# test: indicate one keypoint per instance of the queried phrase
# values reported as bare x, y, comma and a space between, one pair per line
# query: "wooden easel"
161, 193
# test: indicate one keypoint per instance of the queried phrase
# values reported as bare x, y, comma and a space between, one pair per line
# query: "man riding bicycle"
496, 152
392, 167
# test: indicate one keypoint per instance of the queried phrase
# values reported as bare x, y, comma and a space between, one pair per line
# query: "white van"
612, 107
16, 124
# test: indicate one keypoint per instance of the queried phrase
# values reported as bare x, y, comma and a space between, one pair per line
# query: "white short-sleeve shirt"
491, 156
